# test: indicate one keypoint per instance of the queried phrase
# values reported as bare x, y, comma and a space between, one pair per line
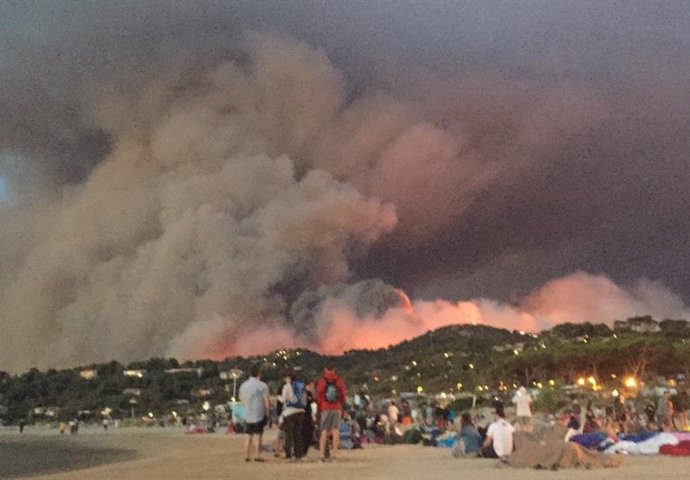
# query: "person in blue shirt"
255, 400
468, 439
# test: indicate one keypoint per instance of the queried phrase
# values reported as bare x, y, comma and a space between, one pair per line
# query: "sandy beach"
132, 454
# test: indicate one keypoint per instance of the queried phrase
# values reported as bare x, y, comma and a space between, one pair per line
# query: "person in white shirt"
499, 438
522, 400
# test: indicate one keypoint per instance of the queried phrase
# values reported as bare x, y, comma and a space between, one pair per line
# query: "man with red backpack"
330, 398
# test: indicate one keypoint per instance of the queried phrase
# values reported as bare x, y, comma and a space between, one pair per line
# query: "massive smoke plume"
216, 180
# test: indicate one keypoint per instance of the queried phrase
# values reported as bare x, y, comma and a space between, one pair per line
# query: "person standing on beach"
308, 426
255, 399
393, 416
522, 400
330, 398
294, 398
280, 437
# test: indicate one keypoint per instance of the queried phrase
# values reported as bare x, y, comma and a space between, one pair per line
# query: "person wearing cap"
499, 438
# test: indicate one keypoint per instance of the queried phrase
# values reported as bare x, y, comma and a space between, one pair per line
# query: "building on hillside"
183, 371
88, 374
50, 412
204, 392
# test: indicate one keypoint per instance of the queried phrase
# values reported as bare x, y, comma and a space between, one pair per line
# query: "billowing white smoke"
223, 220
196, 216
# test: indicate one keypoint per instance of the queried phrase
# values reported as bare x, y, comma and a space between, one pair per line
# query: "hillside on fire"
462, 360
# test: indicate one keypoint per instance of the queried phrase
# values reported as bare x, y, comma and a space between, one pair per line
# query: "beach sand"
171, 455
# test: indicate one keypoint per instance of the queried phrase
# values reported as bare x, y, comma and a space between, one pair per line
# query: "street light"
630, 382
235, 373
132, 402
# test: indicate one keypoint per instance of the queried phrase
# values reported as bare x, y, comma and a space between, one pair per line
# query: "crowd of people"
315, 414
302, 409
617, 419
668, 414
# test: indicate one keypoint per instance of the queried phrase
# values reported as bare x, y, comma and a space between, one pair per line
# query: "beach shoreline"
170, 454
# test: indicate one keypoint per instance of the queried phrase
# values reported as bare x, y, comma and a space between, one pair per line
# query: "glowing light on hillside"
420, 389
615, 393
630, 382
459, 386
581, 381
592, 381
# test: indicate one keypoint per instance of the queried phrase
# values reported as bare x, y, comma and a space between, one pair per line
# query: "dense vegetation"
466, 358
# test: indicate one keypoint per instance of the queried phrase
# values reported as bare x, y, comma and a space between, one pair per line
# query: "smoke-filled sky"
211, 178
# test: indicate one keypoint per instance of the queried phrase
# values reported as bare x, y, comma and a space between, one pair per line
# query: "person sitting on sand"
468, 439
499, 438
679, 418
591, 425
664, 411
255, 399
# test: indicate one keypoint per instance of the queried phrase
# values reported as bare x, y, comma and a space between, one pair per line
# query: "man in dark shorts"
255, 399
330, 398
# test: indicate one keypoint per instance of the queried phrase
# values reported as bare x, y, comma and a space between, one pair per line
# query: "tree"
675, 328
643, 324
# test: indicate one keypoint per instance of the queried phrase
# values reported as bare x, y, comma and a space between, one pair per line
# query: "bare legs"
254, 446
323, 441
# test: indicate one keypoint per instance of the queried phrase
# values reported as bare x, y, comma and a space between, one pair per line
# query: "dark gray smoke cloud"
180, 172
